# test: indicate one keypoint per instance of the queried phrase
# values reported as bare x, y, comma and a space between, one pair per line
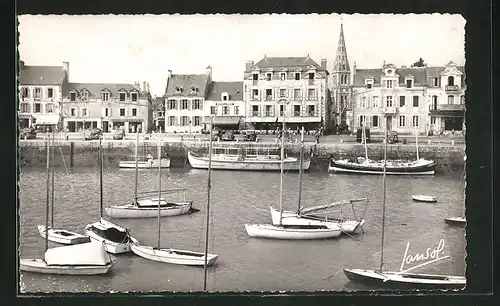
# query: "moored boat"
148, 208
292, 232
62, 236
145, 163
394, 167
456, 220
173, 256
424, 198
115, 238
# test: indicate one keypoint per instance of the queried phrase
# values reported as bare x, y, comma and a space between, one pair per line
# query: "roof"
159, 102
42, 75
234, 89
292, 62
361, 74
418, 74
422, 75
95, 89
185, 83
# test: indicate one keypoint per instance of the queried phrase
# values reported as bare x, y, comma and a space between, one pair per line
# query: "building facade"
107, 106
40, 95
299, 80
158, 114
184, 101
224, 105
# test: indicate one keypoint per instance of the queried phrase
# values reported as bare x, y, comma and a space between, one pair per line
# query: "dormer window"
389, 83
311, 75
283, 76
194, 89
269, 76
72, 96
369, 83
84, 96
224, 96
297, 76
255, 76
409, 83
178, 90
105, 96
134, 96
122, 96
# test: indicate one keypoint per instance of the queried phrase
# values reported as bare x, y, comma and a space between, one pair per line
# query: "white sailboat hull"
279, 232
133, 211
63, 236
424, 198
145, 164
40, 266
258, 164
173, 256
292, 218
456, 220
111, 246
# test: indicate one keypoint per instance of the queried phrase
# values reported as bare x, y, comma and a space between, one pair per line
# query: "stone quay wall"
85, 153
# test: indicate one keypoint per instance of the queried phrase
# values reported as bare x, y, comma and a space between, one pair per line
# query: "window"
178, 90
172, 104
255, 76
361, 119
84, 112
269, 111
194, 89
451, 100
269, 76
122, 96
415, 121
369, 84
236, 110
388, 100
73, 112
343, 79
225, 110
311, 75
38, 93
402, 121
225, 97
436, 82
106, 112
50, 93
375, 121
255, 94
389, 83
434, 100
105, 96
269, 94
343, 102
296, 94
297, 76
311, 94
122, 112
184, 121
296, 110
196, 104
72, 96
310, 110
433, 120
84, 96
282, 93
25, 92
172, 121
409, 83
255, 110
363, 102
213, 110
462, 100
25, 108
282, 110
134, 112
375, 102
37, 108
49, 108
451, 81
415, 101
159, 114
184, 104
402, 101
283, 76
134, 96
196, 121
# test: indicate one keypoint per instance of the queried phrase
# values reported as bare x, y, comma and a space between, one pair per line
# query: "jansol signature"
431, 255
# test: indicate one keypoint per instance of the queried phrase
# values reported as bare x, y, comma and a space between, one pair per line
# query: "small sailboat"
145, 206
80, 259
401, 279
295, 231
169, 255
424, 198
56, 234
115, 238
460, 220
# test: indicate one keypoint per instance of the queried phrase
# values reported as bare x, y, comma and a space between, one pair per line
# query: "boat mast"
136, 162
364, 140
100, 177
47, 200
209, 187
282, 163
416, 140
384, 187
52, 188
159, 188
300, 167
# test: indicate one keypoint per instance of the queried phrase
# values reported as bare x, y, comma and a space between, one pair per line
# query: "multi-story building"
298, 80
224, 102
40, 95
159, 113
184, 98
340, 87
445, 97
107, 106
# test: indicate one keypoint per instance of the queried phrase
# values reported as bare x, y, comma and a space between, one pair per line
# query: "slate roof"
159, 103
95, 89
234, 89
421, 75
42, 75
185, 82
291, 62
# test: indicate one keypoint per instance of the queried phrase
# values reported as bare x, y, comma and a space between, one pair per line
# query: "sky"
130, 48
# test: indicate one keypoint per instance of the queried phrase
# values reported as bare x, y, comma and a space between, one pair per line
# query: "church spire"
341, 63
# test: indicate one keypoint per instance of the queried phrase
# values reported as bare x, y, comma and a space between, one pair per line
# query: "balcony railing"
297, 98
255, 113
296, 113
311, 113
268, 114
451, 88
312, 98
390, 110
447, 107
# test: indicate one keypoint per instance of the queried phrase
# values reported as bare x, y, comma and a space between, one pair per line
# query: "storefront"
47, 122
25, 121
130, 126
80, 125
223, 122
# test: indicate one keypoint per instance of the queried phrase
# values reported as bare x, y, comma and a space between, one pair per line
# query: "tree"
419, 63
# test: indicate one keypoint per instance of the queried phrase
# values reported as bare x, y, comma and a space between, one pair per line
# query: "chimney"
66, 69
147, 87
143, 88
169, 74
209, 73
323, 64
249, 65
353, 72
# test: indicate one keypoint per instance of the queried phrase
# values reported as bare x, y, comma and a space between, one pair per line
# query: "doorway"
389, 123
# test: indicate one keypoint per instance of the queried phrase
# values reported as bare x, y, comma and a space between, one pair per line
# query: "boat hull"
132, 211
112, 247
290, 164
419, 167
149, 164
405, 280
292, 218
423, 198
40, 266
456, 220
276, 232
62, 236
174, 256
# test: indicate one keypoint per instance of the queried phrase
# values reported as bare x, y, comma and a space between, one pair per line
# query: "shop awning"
48, 119
224, 120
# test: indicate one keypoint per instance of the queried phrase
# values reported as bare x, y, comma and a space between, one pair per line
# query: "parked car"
227, 136
92, 134
392, 137
250, 136
119, 134
359, 133
28, 133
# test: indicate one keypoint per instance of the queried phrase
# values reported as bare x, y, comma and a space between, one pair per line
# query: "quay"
448, 153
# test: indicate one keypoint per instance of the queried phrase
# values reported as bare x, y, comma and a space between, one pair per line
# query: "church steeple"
341, 63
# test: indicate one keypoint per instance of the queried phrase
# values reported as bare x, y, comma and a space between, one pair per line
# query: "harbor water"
239, 197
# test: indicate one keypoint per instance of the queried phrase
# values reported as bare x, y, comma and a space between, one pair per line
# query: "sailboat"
115, 238
303, 217
420, 166
145, 206
168, 255
295, 231
461, 219
81, 259
56, 234
401, 279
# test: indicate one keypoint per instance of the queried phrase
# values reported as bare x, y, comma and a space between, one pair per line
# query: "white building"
224, 102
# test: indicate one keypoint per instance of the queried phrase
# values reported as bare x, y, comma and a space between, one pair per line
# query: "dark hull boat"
417, 167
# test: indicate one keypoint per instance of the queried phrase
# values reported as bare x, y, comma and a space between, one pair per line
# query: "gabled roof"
417, 73
42, 75
234, 89
186, 82
361, 74
292, 62
96, 89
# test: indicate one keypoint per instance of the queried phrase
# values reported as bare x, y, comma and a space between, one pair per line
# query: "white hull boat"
255, 164
173, 256
405, 280
148, 208
292, 218
424, 198
145, 164
456, 220
291, 232
116, 239
63, 236
40, 266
